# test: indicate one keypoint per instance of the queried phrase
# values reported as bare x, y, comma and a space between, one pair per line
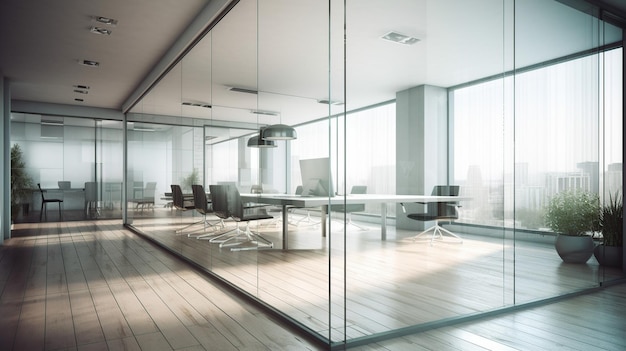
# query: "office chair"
351, 208
179, 203
91, 200
307, 219
438, 212
44, 203
147, 200
201, 204
228, 203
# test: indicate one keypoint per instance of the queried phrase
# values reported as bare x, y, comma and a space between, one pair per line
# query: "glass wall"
507, 99
77, 160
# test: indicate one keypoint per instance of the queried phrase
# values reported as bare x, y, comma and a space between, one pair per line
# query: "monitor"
316, 177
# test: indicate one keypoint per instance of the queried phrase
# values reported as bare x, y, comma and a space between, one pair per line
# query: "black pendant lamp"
279, 132
258, 142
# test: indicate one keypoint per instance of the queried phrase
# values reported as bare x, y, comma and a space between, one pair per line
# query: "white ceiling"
278, 47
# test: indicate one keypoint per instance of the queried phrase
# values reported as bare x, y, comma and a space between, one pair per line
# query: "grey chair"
180, 204
147, 199
444, 211
351, 208
45, 202
227, 202
91, 200
201, 205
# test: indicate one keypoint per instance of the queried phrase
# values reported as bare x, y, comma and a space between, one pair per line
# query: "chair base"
242, 240
307, 219
438, 234
351, 223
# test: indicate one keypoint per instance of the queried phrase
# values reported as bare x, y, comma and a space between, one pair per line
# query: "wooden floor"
93, 285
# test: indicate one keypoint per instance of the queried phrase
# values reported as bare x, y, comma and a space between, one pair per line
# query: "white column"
421, 145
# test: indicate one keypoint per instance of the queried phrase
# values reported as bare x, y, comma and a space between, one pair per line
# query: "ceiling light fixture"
258, 142
89, 63
243, 90
142, 129
80, 86
105, 20
265, 113
81, 91
100, 30
79, 100
330, 102
51, 122
279, 132
196, 104
400, 38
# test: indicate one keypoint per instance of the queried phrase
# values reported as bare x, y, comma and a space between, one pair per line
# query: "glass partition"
506, 99
68, 157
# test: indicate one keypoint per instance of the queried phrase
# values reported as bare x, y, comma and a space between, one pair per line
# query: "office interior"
514, 101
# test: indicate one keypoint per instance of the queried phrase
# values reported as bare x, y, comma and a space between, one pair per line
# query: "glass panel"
63, 154
480, 82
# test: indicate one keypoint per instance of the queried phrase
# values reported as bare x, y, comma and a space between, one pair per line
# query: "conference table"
299, 201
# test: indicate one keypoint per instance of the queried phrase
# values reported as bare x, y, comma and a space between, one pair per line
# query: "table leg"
323, 211
285, 228
383, 221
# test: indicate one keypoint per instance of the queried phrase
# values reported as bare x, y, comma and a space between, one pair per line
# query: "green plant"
573, 213
611, 221
21, 183
191, 179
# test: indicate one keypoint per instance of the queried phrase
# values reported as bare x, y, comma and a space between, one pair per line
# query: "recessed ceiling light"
81, 91
266, 113
49, 122
330, 102
243, 90
196, 104
80, 86
100, 30
79, 100
400, 38
89, 63
105, 20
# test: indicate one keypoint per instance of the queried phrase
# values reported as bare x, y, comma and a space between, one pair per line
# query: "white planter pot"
574, 249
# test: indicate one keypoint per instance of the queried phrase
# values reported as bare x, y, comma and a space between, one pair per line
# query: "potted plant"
573, 215
610, 251
21, 183
191, 179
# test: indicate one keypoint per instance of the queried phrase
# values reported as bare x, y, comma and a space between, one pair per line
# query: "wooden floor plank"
60, 331
88, 328
122, 292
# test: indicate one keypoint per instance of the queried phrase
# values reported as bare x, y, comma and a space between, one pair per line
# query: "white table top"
313, 201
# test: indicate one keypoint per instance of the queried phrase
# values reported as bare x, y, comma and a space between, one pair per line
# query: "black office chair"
179, 203
351, 208
439, 212
201, 204
44, 203
227, 202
